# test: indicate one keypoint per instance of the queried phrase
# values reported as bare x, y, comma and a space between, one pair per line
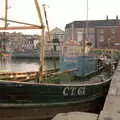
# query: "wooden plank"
19, 27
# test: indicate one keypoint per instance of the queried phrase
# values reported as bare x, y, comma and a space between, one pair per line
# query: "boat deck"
54, 77
93, 80
96, 79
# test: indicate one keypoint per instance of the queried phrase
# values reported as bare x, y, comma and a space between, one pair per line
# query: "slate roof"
56, 29
94, 23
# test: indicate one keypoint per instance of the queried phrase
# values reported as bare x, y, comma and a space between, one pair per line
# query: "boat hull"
48, 112
20, 100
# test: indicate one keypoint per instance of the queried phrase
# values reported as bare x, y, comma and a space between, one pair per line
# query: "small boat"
26, 54
80, 85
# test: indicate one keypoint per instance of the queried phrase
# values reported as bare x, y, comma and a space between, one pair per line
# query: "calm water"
23, 65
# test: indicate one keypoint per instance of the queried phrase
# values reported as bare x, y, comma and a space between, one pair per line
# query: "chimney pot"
107, 17
116, 17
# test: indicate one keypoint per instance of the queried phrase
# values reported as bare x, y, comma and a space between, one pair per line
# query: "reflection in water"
4, 61
24, 65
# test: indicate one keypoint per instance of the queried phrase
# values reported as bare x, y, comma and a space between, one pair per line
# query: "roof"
57, 30
94, 23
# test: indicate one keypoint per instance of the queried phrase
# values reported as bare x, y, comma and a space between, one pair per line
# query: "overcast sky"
61, 12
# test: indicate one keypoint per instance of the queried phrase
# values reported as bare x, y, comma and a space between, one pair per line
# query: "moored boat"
43, 100
80, 85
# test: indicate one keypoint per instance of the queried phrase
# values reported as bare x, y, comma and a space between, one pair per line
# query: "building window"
101, 38
79, 36
113, 30
61, 36
101, 31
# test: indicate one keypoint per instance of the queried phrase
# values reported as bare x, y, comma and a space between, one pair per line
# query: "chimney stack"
116, 17
107, 17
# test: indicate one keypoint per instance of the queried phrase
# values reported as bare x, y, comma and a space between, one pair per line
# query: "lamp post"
109, 41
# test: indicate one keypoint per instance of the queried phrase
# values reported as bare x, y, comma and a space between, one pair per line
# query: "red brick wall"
111, 36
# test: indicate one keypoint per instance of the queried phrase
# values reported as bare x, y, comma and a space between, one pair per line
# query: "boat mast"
44, 5
5, 26
85, 35
41, 61
6, 13
87, 22
85, 30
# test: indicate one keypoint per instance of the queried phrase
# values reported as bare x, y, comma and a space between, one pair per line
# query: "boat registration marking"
73, 91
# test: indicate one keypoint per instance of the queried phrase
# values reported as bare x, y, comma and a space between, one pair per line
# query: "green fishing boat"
81, 85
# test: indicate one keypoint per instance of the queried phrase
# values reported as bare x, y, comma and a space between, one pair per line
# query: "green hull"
61, 92
49, 99
48, 112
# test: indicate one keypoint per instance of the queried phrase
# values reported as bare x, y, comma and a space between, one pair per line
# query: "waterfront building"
4, 42
108, 37
20, 43
55, 33
52, 46
76, 30
17, 41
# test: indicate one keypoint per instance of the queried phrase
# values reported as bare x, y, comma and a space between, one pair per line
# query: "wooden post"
6, 12
41, 61
46, 22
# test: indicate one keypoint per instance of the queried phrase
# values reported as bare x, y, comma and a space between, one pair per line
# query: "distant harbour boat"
5, 54
26, 54
35, 54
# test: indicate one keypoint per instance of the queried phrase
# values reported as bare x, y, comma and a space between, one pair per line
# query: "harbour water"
24, 65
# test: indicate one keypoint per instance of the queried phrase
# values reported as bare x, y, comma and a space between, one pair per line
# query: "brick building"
17, 41
77, 29
108, 37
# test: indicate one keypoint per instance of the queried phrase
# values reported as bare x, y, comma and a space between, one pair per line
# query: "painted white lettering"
65, 91
81, 91
73, 91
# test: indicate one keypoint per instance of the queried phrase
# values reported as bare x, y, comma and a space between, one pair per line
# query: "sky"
61, 12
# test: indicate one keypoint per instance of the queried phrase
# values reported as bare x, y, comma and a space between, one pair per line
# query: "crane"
28, 26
